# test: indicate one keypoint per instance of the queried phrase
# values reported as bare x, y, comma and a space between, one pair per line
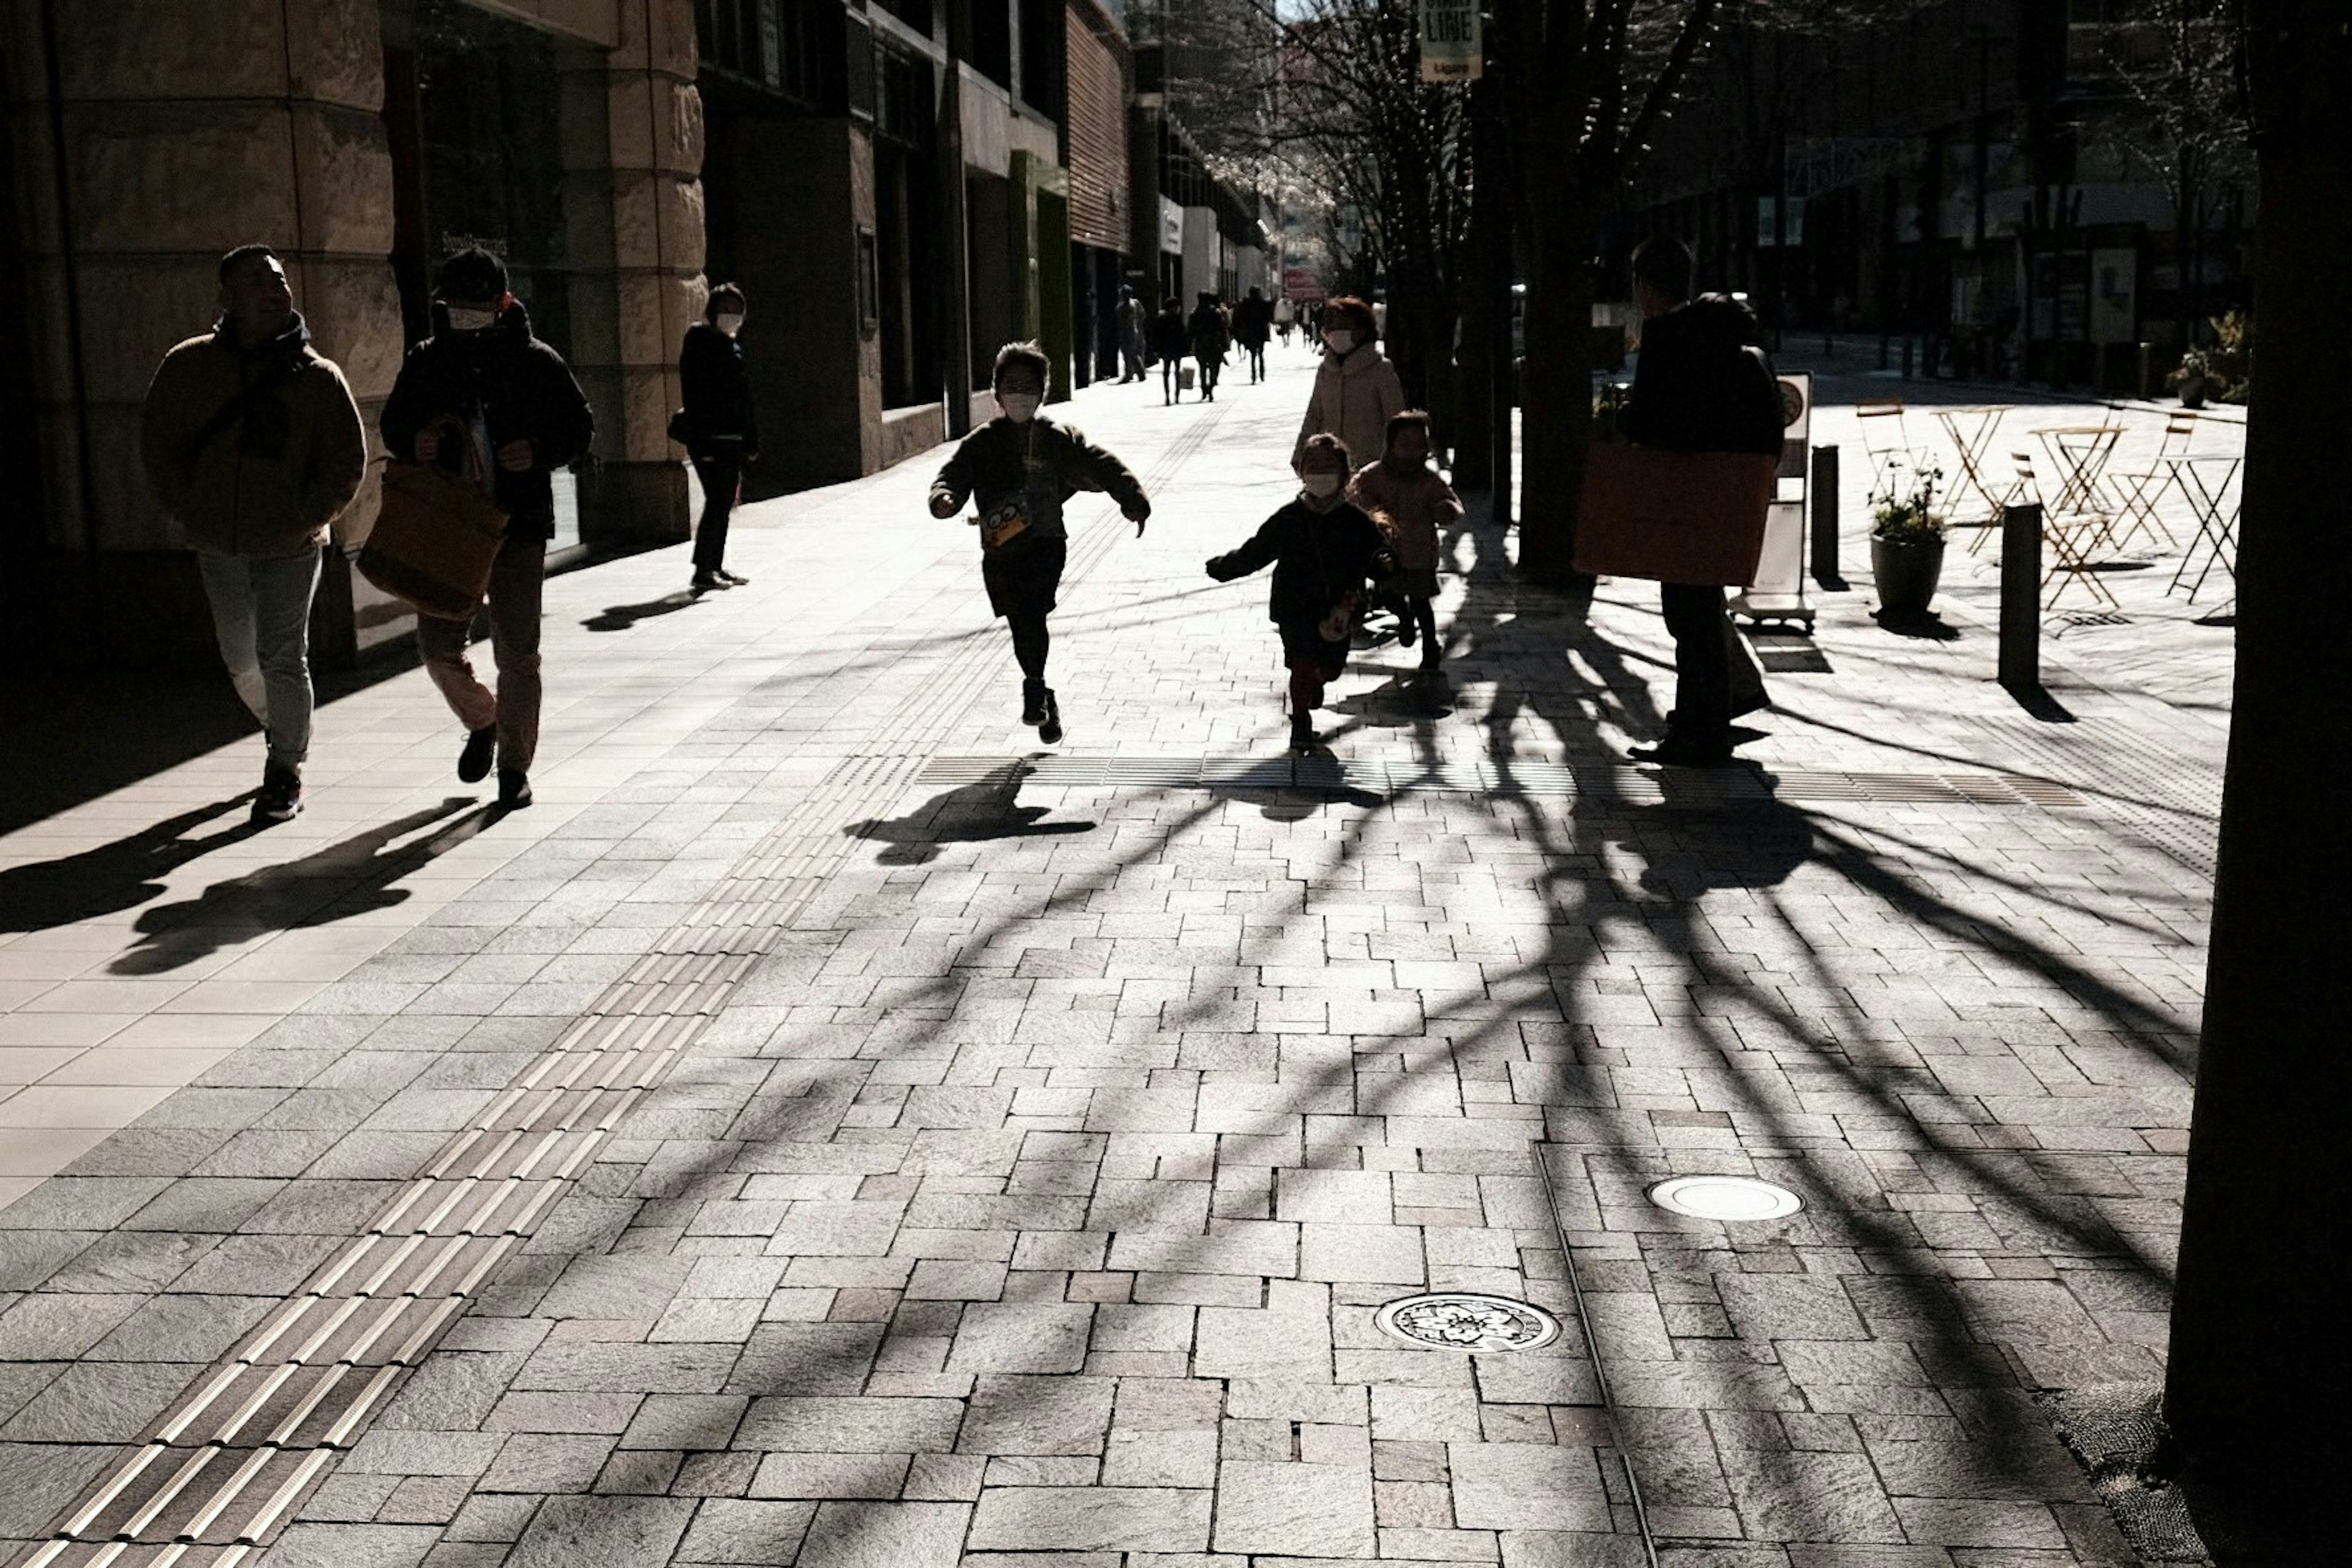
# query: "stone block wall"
193, 126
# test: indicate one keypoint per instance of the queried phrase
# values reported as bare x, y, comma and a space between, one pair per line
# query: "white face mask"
472, 318
1322, 486
730, 322
1019, 407
1341, 339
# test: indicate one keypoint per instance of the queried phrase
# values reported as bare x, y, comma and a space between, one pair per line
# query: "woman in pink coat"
1356, 392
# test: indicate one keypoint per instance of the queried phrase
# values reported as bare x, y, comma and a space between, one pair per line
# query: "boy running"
1019, 468
1412, 505
1322, 548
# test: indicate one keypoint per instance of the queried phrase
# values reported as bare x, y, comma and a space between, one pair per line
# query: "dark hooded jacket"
717, 388
1702, 385
525, 392
1316, 556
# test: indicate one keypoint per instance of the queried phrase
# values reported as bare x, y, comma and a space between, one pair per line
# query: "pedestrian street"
830, 1128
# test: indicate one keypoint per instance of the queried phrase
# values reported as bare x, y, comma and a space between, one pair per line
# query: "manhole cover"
1726, 1198
1454, 1320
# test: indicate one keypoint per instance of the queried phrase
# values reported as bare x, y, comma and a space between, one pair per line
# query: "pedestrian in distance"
1323, 550
1019, 469
1130, 321
1413, 505
1171, 341
721, 425
254, 447
1356, 392
1285, 317
484, 378
1253, 326
1210, 340
1702, 383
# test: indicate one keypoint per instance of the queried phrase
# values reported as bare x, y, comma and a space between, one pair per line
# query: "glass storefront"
474, 112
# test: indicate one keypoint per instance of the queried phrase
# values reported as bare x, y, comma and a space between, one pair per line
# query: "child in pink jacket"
1413, 506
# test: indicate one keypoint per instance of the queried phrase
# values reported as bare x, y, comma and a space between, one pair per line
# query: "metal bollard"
2020, 598
1884, 344
1907, 356
1823, 493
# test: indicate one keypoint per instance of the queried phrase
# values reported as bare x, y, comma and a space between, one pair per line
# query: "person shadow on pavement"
968, 814
351, 877
114, 877
621, 618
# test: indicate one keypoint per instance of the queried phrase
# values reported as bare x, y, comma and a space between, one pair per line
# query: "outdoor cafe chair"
2139, 491
1883, 439
2071, 533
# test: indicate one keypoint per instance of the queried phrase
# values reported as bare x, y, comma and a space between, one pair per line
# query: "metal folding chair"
1884, 440
2071, 534
2139, 492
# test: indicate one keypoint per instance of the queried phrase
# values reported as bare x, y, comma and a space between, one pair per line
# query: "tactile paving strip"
1630, 786
229, 1464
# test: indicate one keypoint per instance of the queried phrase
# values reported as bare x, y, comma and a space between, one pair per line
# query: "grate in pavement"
1462, 776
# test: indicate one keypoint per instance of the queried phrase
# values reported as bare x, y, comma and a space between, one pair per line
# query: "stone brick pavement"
812, 1137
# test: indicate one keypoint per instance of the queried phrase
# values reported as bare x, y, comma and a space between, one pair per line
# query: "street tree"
2178, 68
2258, 1389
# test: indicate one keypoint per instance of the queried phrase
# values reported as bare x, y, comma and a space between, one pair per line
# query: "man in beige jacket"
254, 447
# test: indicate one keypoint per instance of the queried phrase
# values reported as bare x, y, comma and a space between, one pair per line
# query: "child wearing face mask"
1019, 469
1322, 548
1412, 505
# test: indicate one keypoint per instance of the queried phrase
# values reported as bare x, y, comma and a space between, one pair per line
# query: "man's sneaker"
280, 799
514, 788
1049, 729
1033, 702
706, 582
1407, 632
474, 761
732, 579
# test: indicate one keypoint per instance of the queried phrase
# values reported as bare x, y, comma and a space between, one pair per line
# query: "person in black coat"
1210, 337
1170, 340
1701, 384
1253, 325
483, 381
721, 427
1323, 549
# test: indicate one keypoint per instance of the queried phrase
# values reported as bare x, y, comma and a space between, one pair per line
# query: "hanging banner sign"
1451, 48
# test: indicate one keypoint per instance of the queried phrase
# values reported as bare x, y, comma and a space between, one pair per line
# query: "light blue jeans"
261, 612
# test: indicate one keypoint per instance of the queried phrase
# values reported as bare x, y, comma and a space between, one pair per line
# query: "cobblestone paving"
759, 1155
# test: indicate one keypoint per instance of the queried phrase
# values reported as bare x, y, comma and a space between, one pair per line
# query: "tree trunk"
1489, 258
1556, 381
2260, 1376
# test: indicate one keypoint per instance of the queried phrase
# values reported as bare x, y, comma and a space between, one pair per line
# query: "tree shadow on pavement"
114, 877
968, 814
351, 877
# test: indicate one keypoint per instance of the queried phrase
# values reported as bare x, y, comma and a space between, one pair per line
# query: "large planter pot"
1906, 575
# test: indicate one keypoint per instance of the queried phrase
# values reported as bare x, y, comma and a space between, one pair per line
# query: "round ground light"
1464, 1321
1724, 1198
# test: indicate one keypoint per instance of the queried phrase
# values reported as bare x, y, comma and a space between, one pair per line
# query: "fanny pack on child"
1003, 523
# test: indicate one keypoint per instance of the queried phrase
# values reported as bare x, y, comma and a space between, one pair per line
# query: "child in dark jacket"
1019, 469
1322, 549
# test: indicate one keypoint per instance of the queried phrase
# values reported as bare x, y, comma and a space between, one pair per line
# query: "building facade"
363, 139
900, 186
1976, 174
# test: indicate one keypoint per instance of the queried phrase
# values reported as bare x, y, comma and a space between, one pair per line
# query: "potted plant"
1906, 545
2193, 376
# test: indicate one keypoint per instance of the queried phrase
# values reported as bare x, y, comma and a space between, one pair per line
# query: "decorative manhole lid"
1724, 1198
1464, 1321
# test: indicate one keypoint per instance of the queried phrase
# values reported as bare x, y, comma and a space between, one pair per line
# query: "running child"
1412, 505
1322, 549
1018, 470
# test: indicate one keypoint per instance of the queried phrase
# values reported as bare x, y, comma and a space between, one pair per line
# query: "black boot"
1302, 733
1049, 729
1033, 702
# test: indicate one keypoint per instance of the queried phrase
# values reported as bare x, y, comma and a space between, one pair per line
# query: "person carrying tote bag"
436, 534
